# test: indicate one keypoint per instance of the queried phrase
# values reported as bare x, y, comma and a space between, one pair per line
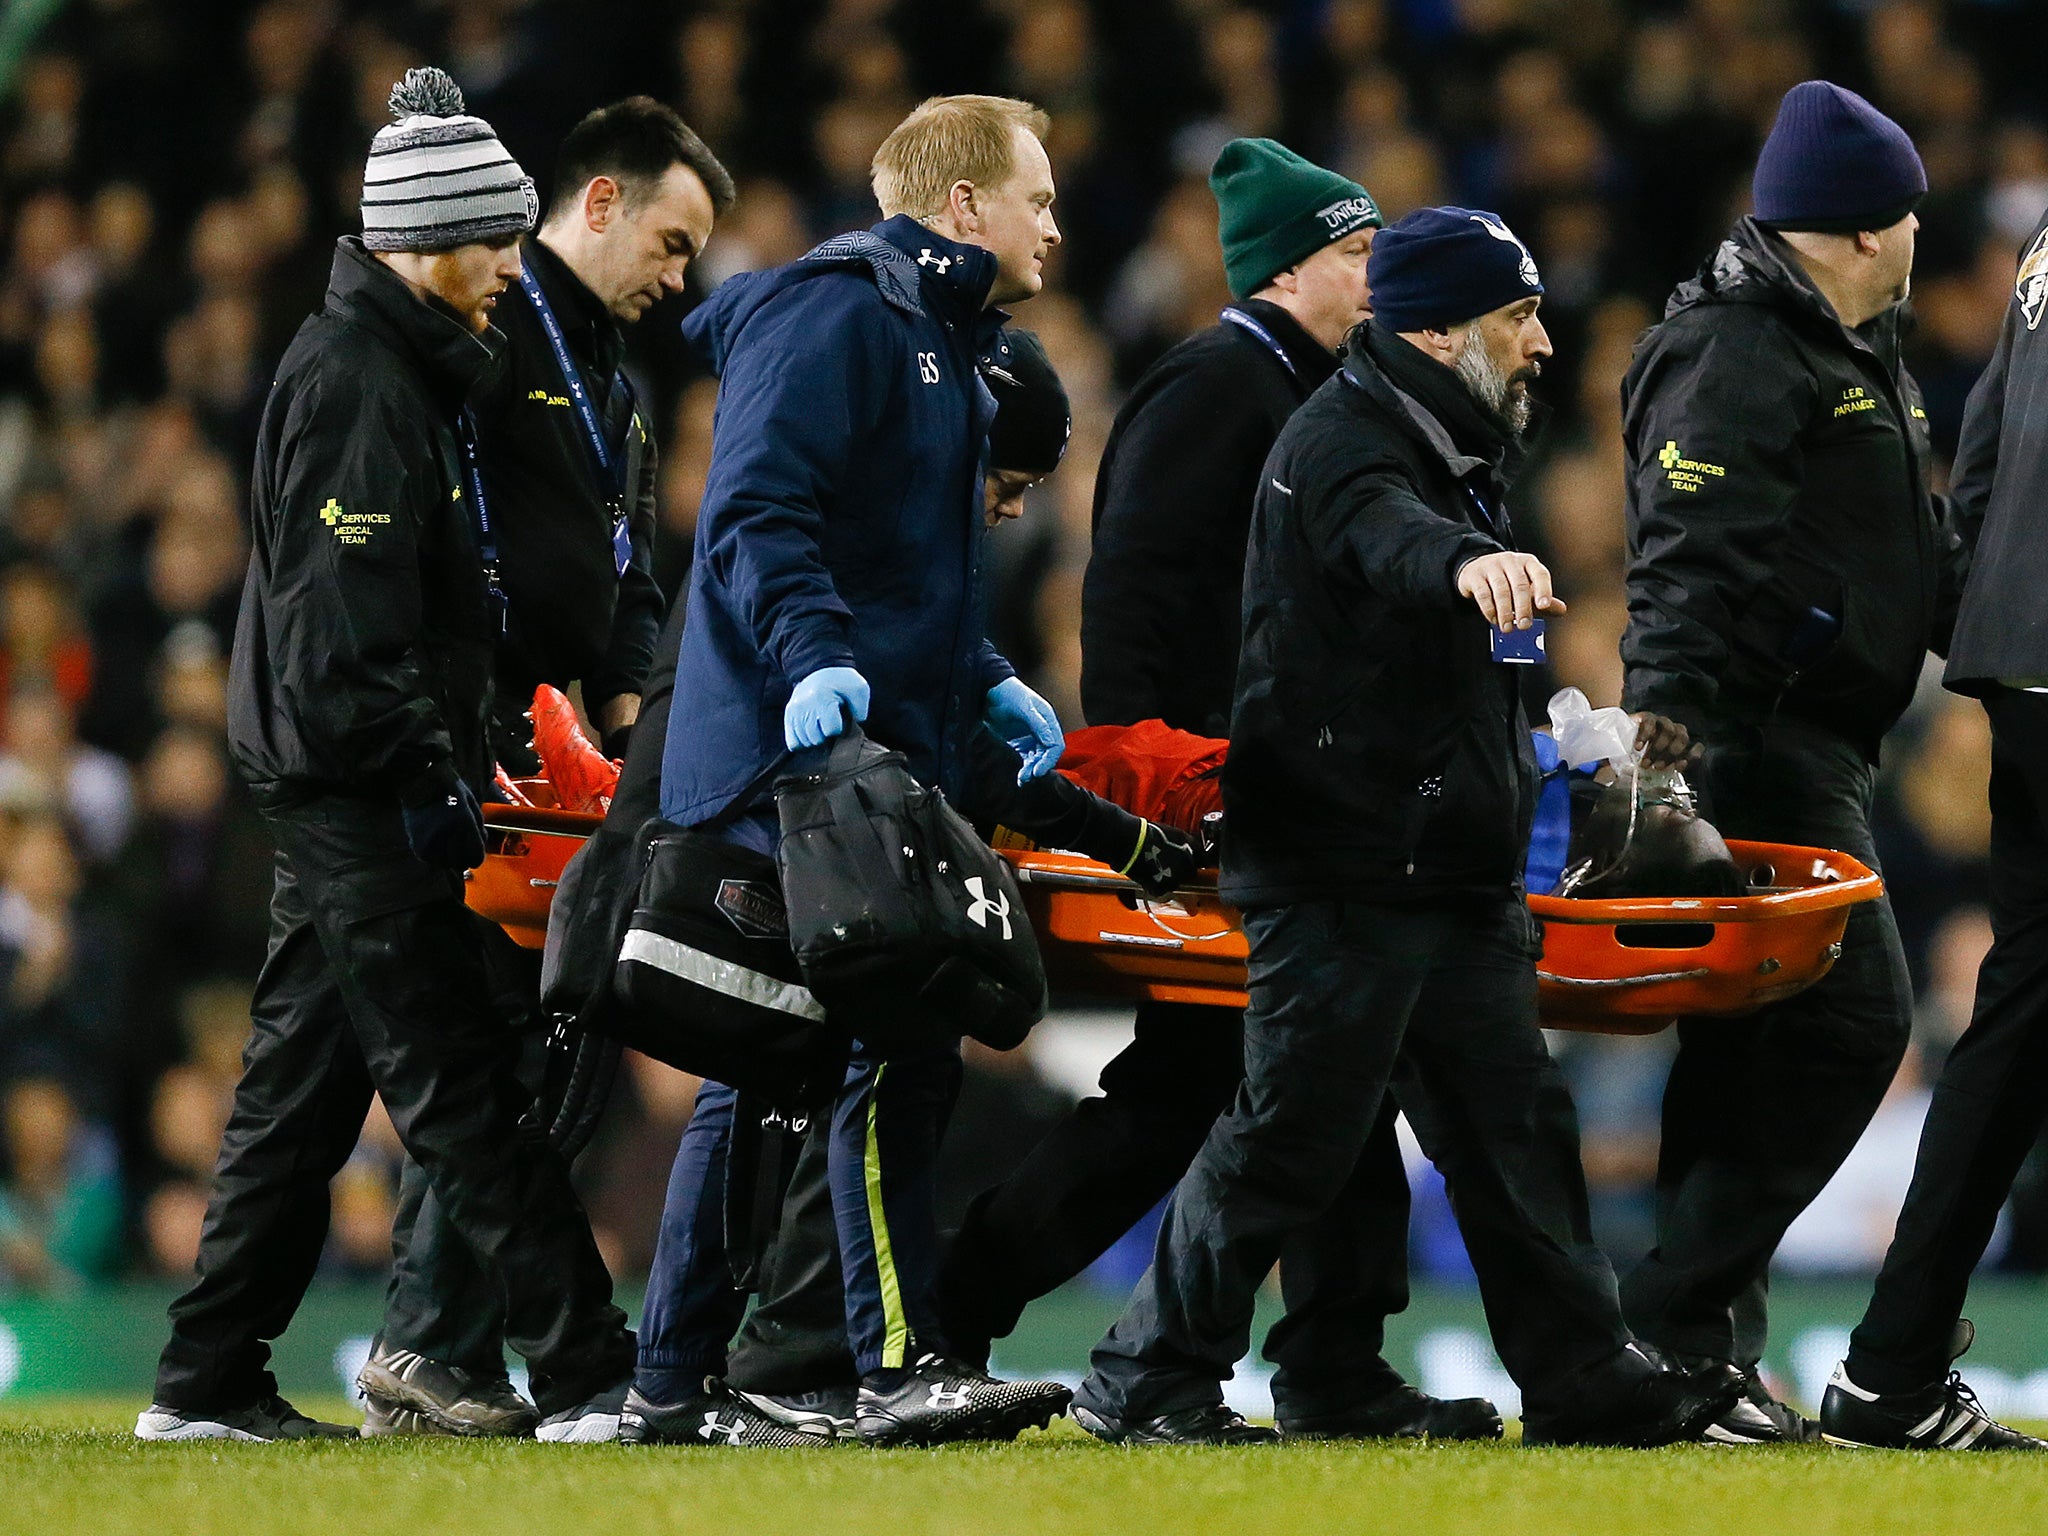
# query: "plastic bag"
1588, 735
1644, 837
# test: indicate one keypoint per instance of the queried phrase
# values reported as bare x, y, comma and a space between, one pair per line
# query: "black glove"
1162, 860
443, 823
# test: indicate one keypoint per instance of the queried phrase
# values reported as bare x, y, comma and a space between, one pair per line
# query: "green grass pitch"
72, 1467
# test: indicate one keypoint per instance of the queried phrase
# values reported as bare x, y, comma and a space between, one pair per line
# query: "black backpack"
908, 927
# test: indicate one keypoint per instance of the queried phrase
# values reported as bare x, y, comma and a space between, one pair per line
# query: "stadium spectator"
90, 788
60, 1204
61, 965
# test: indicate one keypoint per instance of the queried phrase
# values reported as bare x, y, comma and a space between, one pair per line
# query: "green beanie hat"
1279, 209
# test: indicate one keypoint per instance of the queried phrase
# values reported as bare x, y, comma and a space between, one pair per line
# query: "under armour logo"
948, 1397
925, 258
983, 907
711, 1429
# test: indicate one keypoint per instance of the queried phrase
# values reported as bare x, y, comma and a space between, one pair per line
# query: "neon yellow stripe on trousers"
896, 1335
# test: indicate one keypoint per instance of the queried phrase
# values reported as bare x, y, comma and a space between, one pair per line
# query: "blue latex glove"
813, 712
1027, 723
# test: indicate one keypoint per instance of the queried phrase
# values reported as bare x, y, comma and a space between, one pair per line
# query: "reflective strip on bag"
723, 976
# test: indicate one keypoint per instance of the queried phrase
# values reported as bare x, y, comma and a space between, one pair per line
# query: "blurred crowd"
173, 174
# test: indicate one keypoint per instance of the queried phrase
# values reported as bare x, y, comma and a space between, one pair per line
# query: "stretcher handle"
1616, 983
1846, 884
1082, 880
539, 818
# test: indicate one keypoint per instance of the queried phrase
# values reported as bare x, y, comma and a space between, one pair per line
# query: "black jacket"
1376, 751
1173, 505
1785, 555
570, 614
363, 653
1997, 491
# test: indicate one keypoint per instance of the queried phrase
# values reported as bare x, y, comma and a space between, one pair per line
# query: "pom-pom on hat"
437, 177
1277, 208
1834, 163
1440, 267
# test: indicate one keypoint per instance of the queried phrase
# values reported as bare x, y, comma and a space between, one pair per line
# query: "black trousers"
375, 983
1992, 1095
1080, 1189
1759, 1112
1348, 998
440, 1299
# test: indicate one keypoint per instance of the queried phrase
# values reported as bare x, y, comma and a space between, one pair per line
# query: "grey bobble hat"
437, 177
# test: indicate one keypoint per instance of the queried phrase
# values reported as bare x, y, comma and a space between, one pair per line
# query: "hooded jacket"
363, 653
1786, 558
1173, 505
841, 523
1377, 751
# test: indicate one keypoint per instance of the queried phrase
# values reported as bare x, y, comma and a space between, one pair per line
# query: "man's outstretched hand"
1511, 589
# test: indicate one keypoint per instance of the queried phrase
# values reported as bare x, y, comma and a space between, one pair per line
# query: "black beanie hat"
1836, 164
1032, 415
1276, 209
1440, 267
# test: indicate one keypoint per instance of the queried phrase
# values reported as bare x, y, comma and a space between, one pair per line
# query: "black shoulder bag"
705, 975
907, 926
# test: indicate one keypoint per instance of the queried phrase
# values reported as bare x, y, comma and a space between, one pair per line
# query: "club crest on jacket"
2032, 287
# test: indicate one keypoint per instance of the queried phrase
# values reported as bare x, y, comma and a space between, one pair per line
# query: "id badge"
1519, 647
622, 543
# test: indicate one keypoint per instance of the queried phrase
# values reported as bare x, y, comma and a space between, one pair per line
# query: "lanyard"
1497, 526
612, 473
1243, 321
487, 542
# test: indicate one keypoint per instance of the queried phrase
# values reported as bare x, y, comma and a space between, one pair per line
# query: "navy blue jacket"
842, 516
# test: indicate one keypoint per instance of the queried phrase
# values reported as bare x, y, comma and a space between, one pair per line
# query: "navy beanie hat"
1836, 164
1440, 267
1033, 418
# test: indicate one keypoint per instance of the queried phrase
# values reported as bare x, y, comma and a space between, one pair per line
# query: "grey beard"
1491, 387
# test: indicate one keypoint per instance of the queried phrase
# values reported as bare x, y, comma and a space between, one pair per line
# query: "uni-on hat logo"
983, 907
1341, 218
1501, 232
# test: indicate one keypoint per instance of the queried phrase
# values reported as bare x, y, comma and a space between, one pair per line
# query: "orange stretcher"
526, 848
1627, 967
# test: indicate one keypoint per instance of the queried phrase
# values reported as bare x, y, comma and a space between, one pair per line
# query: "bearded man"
1377, 803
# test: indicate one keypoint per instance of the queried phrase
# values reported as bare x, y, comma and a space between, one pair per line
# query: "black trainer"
1404, 1413
1756, 1417
593, 1421
716, 1416
937, 1400
1943, 1417
271, 1419
827, 1412
405, 1392
1663, 1407
1210, 1424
